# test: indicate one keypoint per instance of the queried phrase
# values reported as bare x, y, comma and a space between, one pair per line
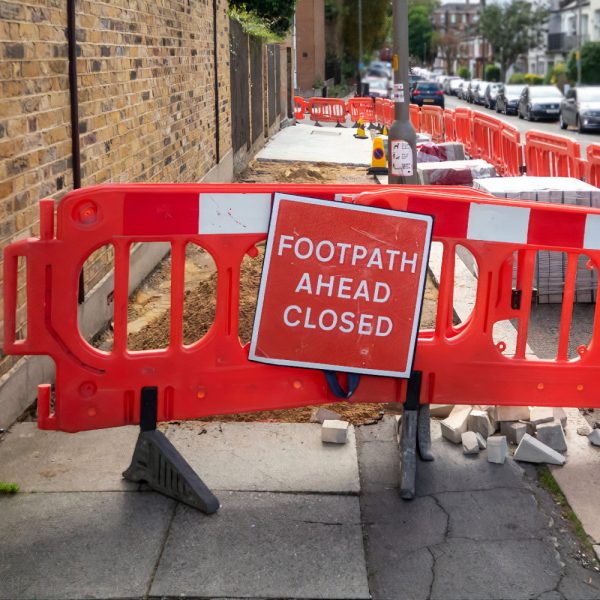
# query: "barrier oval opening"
250, 272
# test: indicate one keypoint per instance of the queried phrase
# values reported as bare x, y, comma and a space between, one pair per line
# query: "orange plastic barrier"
460, 363
327, 110
593, 165
389, 112
299, 108
487, 139
432, 121
464, 128
361, 108
549, 155
415, 117
449, 127
380, 112
512, 151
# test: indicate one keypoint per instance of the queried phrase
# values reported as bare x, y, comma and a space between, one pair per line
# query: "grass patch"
8, 488
548, 482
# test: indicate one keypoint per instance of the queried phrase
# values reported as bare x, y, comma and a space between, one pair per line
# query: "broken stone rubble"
532, 450
334, 432
469, 443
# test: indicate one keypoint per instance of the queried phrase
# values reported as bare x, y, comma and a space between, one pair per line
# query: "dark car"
490, 95
427, 93
539, 102
470, 93
581, 108
413, 80
507, 100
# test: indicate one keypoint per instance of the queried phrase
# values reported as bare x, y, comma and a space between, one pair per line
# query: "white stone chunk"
532, 450
441, 411
497, 449
516, 431
334, 432
479, 422
594, 437
560, 415
512, 413
481, 441
321, 414
552, 435
541, 414
469, 443
455, 424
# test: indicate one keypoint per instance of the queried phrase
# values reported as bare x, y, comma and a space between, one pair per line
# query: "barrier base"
377, 171
415, 435
338, 124
157, 463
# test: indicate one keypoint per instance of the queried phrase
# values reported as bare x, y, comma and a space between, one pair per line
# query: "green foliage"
590, 61
265, 18
533, 79
464, 73
8, 488
420, 29
492, 73
557, 75
517, 78
376, 26
512, 29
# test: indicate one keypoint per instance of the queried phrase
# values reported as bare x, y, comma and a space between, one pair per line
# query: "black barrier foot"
408, 438
338, 124
159, 464
424, 433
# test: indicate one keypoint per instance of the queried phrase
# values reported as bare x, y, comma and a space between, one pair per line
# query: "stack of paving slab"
538, 432
454, 172
551, 266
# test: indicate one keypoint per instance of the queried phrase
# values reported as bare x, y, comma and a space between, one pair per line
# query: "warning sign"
342, 287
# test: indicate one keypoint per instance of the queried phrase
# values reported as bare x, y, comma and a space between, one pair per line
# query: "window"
596, 24
453, 18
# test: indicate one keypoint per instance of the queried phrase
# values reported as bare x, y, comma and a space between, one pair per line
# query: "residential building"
310, 43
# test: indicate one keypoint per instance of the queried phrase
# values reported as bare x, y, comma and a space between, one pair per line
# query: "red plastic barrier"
361, 108
415, 117
593, 164
549, 155
449, 126
389, 112
299, 108
432, 122
327, 110
380, 111
487, 142
460, 363
512, 151
464, 128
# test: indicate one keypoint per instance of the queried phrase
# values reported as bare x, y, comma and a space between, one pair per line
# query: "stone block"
321, 414
481, 441
594, 437
479, 422
334, 432
497, 449
535, 451
512, 413
541, 414
493, 416
441, 411
560, 415
552, 435
529, 426
516, 431
469, 443
505, 427
455, 424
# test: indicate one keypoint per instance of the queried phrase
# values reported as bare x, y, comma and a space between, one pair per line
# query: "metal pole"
360, 41
579, 43
402, 136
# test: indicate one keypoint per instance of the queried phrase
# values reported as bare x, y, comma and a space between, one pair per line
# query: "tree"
376, 25
448, 45
276, 15
420, 29
512, 29
590, 59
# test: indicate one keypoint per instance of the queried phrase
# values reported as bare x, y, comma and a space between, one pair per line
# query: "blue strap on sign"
337, 389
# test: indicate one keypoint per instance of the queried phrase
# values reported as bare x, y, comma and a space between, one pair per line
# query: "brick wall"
146, 102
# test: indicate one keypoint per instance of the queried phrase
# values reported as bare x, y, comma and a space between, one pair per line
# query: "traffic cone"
384, 132
360, 132
378, 159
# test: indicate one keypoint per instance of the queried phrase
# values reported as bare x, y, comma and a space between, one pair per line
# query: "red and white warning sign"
342, 287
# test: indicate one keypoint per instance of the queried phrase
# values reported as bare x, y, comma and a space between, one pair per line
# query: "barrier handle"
336, 388
11, 266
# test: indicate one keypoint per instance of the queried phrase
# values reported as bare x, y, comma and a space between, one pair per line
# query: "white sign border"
278, 196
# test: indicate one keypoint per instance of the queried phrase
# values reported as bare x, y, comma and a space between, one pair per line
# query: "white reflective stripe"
234, 213
492, 223
591, 237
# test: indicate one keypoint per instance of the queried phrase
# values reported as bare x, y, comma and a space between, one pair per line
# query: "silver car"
581, 108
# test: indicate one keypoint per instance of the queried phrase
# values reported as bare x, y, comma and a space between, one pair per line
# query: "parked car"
461, 90
539, 102
479, 93
378, 87
427, 93
581, 108
490, 94
507, 100
451, 85
470, 93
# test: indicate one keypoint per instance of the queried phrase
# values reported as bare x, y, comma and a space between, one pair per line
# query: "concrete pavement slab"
80, 545
266, 546
54, 461
494, 570
307, 143
274, 457
579, 478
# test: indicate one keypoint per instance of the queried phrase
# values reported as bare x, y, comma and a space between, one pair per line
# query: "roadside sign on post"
342, 287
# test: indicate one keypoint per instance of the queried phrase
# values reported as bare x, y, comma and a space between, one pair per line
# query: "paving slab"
579, 478
263, 545
54, 461
80, 545
307, 143
274, 457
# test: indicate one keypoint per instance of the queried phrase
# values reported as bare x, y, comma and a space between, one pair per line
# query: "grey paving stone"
275, 457
382, 431
499, 570
379, 465
552, 595
500, 514
576, 586
80, 545
267, 546
54, 461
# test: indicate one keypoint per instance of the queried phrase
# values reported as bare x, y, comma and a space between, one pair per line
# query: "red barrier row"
432, 122
592, 169
299, 108
327, 110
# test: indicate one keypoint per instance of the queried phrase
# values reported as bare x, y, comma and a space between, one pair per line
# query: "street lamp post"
360, 46
402, 137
